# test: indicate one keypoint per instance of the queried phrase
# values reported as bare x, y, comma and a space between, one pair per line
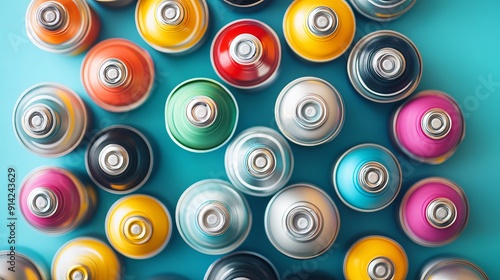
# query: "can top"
26, 268
213, 218
202, 111
452, 268
51, 16
245, 49
436, 123
113, 72
42, 202
381, 269
322, 21
39, 121
309, 111
382, 10
373, 177
441, 213
170, 12
242, 265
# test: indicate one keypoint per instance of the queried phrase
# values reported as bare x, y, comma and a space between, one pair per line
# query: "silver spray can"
452, 268
15, 266
259, 161
301, 221
242, 266
309, 111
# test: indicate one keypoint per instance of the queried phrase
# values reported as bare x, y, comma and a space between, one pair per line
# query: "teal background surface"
459, 42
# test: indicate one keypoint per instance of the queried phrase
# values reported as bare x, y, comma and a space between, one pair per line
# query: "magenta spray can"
55, 201
433, 212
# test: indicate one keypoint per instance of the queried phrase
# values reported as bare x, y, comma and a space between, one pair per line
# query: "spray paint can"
376, 258
433, 212
119, 159
50, 120
172, 26
138, 226
118, 75
242, 265
301, 221
212, 217
85, 258
367, 177
55, 201
259, 161
384, 66
309, 111
429, 127
25, 267
62, 26
246, 54
319, 30
201, 115
382, 10
452, 268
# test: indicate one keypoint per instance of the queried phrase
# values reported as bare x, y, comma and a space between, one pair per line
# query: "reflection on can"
85, 258
119, 159
25, 268
309, 111
384, 66
246, 54
118, 75
138, 226
50, 120
452, 268
319, 30
62, 26
301, 221
242, 265
201, 115
55, 201
429, 127
212, 217
367, 177
172, 26
382, 10
376, 258
259, 161
433, 212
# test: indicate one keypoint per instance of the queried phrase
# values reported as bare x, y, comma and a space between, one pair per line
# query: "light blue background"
459, 42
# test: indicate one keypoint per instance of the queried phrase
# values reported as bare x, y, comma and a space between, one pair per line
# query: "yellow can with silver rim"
376, 258
85, 258
172, 26
138, 226
319, 30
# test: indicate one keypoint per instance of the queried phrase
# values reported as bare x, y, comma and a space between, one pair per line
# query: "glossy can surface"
201, 115
25, 268
246, 54
319, 30
242, 265
367, 177
382, 10
55, 201
309, 111
451, 268
429, 127
259, 161
212, 217
172, 26
301, 221
376, 258
85, 258
384, 66
50, 120
433, 212
138, 226
119, 159
62, 26
118, 75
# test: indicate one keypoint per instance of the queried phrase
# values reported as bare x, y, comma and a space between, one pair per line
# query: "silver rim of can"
151, 162
279, 102
436, 123
261, 162
113, 73
388, 63
202, 111
245, 49
137, 229
39, 121
79, 272
381, 268
51, 16
373, 177
213, 218
246, 5
303, 221
322, 21
394, 138
343, 156
404, 201
113, 159
359, 9
436, 264
170, 12
441, 213
42, 202
311, 111
352, 69
211, 267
